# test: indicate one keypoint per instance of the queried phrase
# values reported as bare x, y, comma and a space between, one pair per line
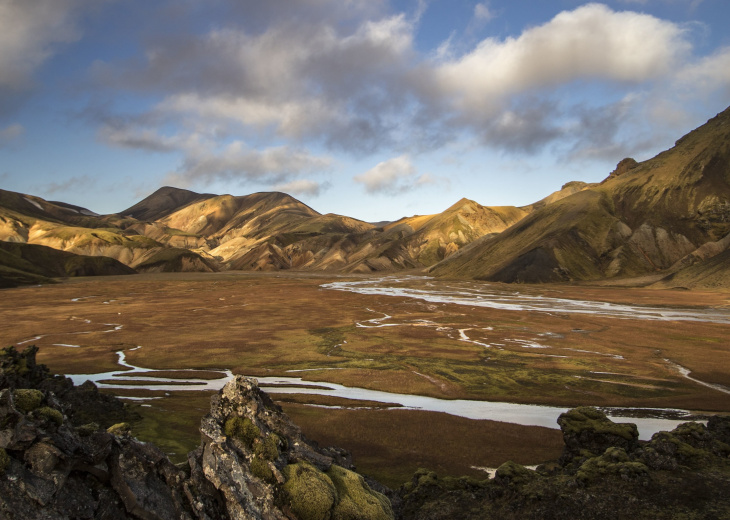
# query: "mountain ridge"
655, 217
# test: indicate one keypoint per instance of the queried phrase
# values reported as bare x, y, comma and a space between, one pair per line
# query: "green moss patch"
513, 473
615, 461
310, 493
587, 418
119, 429
242, 428
261, 469
268, 448
51, 414
356, 500
26, 399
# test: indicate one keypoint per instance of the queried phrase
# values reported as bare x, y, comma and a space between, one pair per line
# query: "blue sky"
374, 109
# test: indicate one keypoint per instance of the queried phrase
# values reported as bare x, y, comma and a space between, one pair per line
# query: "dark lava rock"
605, 473
254, 463
247, 466
587, 432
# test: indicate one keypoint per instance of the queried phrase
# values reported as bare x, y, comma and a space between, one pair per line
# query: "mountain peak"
163, 202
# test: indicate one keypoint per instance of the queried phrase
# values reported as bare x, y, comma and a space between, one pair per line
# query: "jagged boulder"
263, 467
587, 432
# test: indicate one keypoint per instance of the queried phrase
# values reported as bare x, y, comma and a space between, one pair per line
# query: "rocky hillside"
66, 453
655, 217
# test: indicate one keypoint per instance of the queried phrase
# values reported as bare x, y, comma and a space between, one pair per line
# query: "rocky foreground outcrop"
62, 458
253, 463
605, 472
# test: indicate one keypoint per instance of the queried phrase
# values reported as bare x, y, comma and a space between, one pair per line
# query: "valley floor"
396, 340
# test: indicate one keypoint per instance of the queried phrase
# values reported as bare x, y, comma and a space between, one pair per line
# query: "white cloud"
301, 187
10, 133
301, 81
708, 74
30, 30
482, 13
205, 161
354, 81
393, 177
238, 162
70, 185
592, 42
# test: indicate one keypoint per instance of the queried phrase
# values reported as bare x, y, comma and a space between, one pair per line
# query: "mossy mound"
243, 429
356, 500
511, 473
614, 461
338, 494
87, 429
27, 400
589, 419
587, 432
51, 414
311, 493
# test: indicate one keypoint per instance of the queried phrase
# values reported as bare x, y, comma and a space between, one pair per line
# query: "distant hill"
180, 230
644, 218
22, 264
32, 220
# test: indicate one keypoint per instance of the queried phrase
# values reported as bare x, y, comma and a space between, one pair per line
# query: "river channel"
649, 421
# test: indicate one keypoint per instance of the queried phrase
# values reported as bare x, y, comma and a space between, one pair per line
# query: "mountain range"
665, 221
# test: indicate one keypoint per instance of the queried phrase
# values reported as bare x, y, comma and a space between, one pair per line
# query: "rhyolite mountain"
665, 220
179, 230
657, 217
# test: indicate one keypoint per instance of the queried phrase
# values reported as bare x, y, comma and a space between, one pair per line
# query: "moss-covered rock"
51, 414
356, 501
587, 431
511, 473
87, 429
309, 492
672, 446
261, 469
589, 419
268, 448
26, 399
242, 428
615, 461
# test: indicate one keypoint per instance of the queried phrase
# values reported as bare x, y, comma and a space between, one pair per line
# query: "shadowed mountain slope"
22, 264
31, 220
644, 218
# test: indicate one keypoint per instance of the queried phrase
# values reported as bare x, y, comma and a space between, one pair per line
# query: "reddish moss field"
390, 445
269, 324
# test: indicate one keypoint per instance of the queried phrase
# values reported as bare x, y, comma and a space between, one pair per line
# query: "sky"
375, 109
